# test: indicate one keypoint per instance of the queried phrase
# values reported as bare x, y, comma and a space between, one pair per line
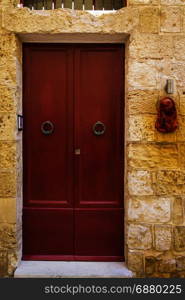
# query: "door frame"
95, 38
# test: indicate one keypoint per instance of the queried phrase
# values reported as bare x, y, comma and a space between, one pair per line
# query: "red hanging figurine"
167, 116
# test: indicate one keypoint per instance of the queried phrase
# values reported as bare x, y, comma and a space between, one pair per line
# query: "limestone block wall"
10, 149
156, 203
154, 34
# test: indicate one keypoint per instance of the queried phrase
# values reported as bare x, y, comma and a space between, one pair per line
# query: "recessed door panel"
98, 233
48, 232
98, 100
48, 97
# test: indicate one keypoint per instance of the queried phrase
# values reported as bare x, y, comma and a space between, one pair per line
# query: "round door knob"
47, 127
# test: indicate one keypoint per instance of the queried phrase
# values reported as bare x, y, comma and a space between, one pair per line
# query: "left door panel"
48, 158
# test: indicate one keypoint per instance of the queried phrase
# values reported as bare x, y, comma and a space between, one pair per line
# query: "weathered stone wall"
10, 148
155, 176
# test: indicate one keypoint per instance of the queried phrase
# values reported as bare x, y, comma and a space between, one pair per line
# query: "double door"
73, 146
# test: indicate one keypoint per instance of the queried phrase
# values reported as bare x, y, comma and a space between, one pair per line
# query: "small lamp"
169, 86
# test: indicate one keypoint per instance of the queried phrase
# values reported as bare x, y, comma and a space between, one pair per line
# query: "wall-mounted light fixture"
169, 86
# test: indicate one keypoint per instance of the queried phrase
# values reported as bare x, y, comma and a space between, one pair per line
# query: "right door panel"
99, 167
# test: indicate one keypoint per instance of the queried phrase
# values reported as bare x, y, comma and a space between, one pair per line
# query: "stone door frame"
59, 38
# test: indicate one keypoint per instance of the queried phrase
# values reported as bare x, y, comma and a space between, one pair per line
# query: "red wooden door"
73, 175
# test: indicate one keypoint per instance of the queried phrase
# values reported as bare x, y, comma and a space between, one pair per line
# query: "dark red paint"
167, 116
73, 204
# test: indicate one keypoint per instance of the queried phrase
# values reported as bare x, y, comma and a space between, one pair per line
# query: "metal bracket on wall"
20, 122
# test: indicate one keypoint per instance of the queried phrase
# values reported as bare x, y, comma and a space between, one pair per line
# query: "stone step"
72, 269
